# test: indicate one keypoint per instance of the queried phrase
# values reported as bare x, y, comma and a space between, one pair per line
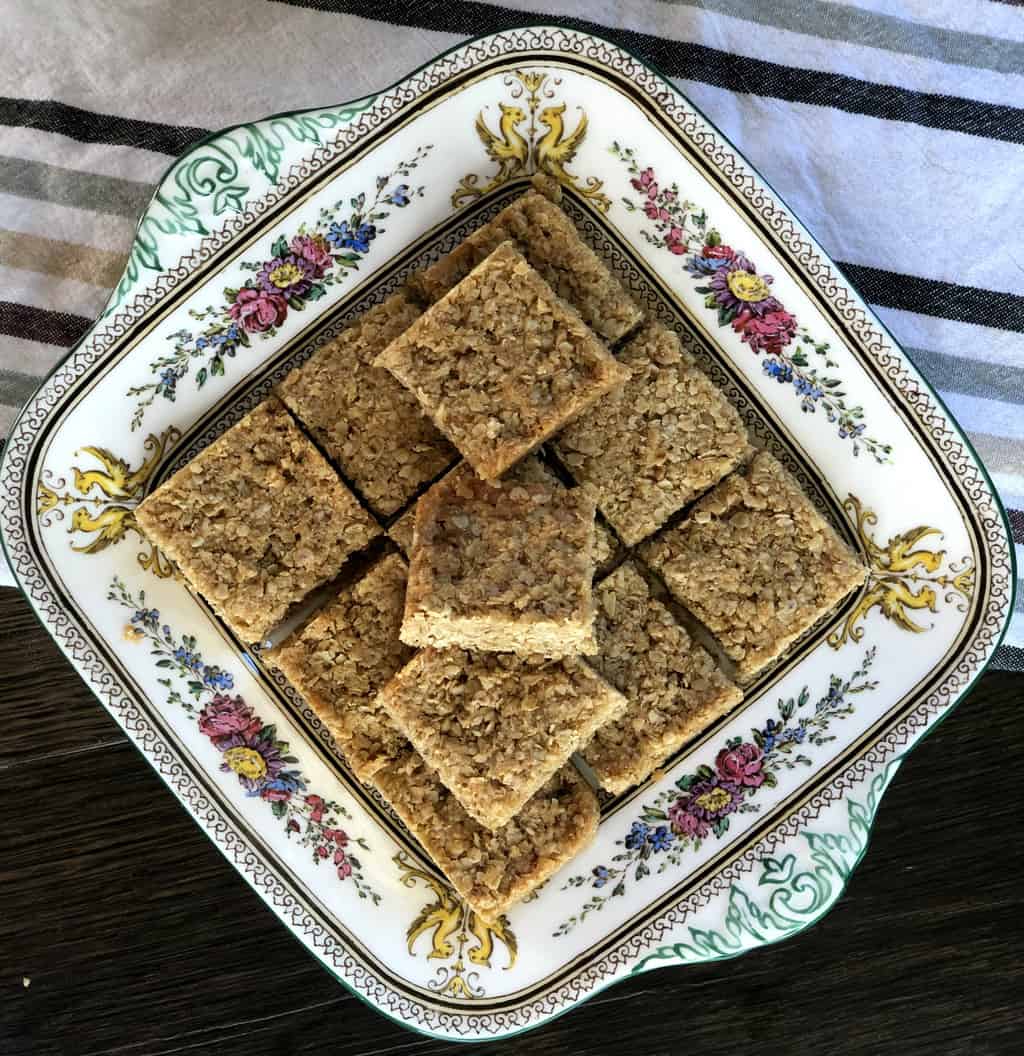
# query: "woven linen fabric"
893, 128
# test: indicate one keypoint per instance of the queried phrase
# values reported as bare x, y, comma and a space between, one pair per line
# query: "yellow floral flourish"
532, 138
905, 577
457, 934
246, 762
105, 499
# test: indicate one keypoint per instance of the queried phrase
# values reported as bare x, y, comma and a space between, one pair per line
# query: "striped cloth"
894, 129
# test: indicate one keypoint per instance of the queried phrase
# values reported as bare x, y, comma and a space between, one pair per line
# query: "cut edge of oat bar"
492, 871
439, 736
432, 617
548, 638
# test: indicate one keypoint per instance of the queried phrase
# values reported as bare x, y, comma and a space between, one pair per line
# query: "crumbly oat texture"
501, 362
530, 471
496, 726
492, 870
606, 546
256, 521
501, 568
756, 563
548, 186
344, 656
673, 686
653, 446
550, 242
362, 417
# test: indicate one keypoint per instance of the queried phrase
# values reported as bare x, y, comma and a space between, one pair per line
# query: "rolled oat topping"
497, 726
492, 870
344, 656
756, 563
530, 471
550, 242
501, 362
256, 521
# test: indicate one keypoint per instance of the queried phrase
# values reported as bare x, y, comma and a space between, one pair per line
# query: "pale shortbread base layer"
673, 686
650, 448
550, 242
492, 870
362, 417
510, 566
756, 563
256, 521
342, 658
530, 471
502, 362
496, 726
534, 638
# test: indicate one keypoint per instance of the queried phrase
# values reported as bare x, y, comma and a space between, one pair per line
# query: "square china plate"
787, 784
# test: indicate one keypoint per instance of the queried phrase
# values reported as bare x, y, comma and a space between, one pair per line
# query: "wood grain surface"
137, 938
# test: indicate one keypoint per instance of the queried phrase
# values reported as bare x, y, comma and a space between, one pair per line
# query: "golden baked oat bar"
496, 726
673, 686
756, 562
650, 448
550, 242
492, 870
506, 569
256, 521
530, 471
344, 656
501, 362
362, 417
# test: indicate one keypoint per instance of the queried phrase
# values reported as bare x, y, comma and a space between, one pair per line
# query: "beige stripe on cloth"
67, 260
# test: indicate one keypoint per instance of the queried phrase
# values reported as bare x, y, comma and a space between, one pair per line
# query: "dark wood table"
124, 931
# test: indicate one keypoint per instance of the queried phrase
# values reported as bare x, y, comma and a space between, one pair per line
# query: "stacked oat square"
525, 608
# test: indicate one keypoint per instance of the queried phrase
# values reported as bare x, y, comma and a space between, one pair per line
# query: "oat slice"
673, 686
550, 242
501, 362
492, 870
756, 563
648, 449
344, 656
256, 521
501, 568
496, 726
362, 417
